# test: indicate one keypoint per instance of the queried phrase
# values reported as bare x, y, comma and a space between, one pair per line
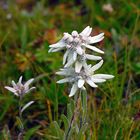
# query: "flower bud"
74, 34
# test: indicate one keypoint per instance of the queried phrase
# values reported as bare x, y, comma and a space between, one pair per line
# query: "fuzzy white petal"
81, 83
96, 80
61, 73
78, 66
60, 44
13, 84
93, 57
56, 49
74, 56
73, 90
97, 66
65, 57
26, 85
16, 93
103, 76
85, 31
28, 90
66, 36
10, 89
89, 32
64, 80
96, 38
91, 83
66, 72
93, 48
69, 63
50, 50
20, 80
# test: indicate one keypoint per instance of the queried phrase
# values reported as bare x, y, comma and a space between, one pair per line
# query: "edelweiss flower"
20, 89
86, 75
76, 44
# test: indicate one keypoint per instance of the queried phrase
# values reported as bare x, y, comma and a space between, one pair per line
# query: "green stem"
84, 108
73, 116
20, 136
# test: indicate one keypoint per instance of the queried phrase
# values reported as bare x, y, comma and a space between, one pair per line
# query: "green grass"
24, 44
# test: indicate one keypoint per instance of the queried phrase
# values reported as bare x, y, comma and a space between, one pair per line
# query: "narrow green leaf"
57, 130
19, 123
84, 100
6, 133
30, 132
66, 121
69, 112
82, 132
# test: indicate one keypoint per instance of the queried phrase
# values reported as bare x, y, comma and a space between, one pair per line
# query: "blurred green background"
27, 27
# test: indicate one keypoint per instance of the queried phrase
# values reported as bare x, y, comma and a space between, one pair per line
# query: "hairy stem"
77, 99
20, 135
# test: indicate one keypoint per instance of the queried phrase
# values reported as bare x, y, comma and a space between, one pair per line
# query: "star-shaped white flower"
75, 45
20, 89
86, 75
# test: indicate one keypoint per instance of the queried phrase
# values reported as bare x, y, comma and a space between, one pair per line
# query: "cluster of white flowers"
76, 70
20, 89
